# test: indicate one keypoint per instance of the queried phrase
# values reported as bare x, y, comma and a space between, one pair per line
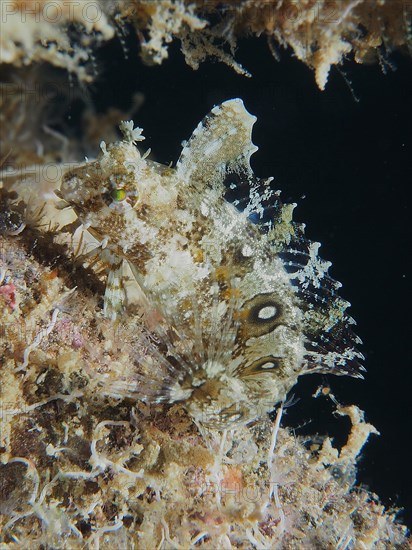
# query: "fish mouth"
63, 203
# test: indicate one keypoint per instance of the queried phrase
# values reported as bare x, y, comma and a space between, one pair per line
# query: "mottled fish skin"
244, 308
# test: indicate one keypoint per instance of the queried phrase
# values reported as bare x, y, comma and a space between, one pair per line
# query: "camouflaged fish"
244, 304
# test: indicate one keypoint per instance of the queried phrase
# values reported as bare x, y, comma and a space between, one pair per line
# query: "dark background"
348, 165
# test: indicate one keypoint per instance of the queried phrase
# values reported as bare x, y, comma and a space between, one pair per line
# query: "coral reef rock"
320, 33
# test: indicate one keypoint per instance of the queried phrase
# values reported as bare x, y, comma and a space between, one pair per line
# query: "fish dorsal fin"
217, 157
221, 143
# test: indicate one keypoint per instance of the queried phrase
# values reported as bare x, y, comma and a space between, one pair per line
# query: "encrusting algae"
321, 33
152, 316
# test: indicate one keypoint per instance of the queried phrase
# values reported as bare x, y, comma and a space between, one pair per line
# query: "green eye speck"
119, 195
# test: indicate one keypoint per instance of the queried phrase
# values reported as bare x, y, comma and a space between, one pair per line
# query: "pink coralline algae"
8, 292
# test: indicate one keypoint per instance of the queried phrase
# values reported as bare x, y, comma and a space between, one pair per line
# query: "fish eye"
118, 195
